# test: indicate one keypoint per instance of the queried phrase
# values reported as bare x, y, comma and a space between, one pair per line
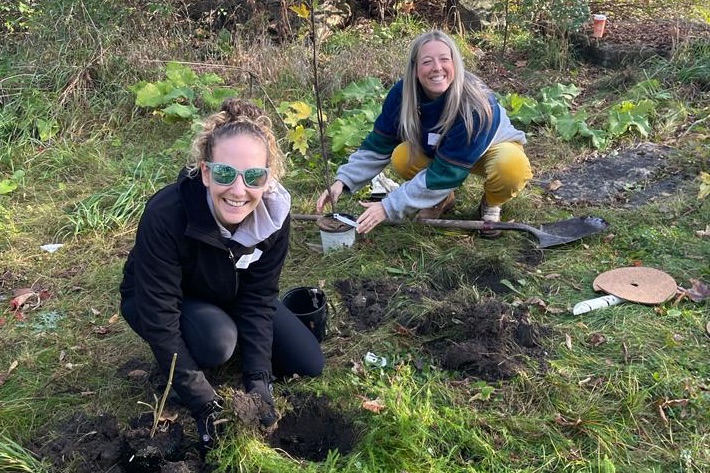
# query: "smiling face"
234, 203
435, 68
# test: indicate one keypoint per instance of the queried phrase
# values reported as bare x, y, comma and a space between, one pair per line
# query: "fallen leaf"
554, 310
608, 238
166, 416
554, 185
704, 190
357, 368
407, 7
698, 292
521, 63
25, 299
703, 233
114, 318
552, 276
94, 311
402, 330
4, 376
584, 381
101, 330
661, 405
375, 406
138, 374
568, 341
536, 301
22, 290
561, 420
595, 339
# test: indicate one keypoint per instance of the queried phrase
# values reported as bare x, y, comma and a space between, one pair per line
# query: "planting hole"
312, 429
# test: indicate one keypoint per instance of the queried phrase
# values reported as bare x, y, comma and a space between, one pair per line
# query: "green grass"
597, 408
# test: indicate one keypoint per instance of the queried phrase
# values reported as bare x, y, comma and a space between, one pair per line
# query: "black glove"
205, 419
260, 383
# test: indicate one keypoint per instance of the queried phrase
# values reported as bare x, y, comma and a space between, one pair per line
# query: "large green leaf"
47, 129
181, 111
348, 133
180, 75
179, 93
214, 98
148, 95
599, 137
7, 186
567, 126
368, 89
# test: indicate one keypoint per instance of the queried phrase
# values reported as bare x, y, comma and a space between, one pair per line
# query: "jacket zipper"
234, 261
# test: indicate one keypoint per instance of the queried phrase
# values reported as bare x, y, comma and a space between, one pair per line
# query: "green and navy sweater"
452, 155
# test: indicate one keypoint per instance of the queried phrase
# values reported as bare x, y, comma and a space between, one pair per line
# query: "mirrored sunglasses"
225, 175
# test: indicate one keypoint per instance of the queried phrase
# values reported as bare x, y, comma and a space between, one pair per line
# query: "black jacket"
179, 252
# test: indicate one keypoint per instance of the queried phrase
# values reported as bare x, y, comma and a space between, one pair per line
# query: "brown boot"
440, 208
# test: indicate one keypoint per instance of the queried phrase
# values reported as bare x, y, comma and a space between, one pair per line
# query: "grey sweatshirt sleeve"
411, 197
361, 167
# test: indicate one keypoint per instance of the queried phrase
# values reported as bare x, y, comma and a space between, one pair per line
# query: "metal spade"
548, 234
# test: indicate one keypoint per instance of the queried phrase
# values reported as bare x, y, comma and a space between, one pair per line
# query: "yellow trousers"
504, 167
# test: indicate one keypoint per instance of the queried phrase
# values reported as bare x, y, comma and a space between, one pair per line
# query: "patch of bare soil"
86, 444
630, 40
491, 340
631, 178
313, 428
369, 302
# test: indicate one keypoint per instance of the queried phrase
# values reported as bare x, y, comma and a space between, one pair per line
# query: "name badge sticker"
433, 139
246, 260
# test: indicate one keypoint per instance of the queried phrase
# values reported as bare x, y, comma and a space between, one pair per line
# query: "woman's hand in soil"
335, 190
261, 384
207, 420
371, 217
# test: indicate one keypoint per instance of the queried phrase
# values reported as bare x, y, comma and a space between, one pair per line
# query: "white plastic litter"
374, 360
382, 185
51, 247
596, 303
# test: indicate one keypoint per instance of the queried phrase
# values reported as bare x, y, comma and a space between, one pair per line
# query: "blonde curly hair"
236, 117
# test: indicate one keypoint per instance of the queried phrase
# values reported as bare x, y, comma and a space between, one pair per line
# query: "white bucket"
342, 236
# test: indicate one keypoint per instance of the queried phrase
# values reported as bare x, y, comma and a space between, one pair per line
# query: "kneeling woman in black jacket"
203, 276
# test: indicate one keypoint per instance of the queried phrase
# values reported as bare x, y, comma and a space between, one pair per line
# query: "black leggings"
211, 337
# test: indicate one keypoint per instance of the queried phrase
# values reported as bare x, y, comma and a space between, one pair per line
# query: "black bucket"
309, 305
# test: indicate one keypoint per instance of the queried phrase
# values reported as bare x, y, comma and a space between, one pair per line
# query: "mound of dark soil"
90, 444
368, 301
490, 340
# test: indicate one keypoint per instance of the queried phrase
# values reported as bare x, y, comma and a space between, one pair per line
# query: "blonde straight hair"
466, 95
